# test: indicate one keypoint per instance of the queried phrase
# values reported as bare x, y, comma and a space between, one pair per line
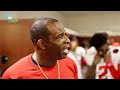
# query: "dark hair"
85, 44
98, 39
39, 29
72, 38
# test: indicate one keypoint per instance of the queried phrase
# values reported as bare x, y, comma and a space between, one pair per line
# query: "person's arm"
92, 70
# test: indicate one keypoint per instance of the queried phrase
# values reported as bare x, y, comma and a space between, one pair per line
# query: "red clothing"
115, 73
26, 69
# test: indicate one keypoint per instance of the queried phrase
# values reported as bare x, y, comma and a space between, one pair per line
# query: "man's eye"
60, 36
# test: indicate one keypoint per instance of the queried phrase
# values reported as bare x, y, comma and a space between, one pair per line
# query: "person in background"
49, 61
84, 52
73, 56
98, 69
114, 65
84, 47
112, 40
106, 62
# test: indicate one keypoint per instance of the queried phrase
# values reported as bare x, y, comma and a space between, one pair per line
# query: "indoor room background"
15, 40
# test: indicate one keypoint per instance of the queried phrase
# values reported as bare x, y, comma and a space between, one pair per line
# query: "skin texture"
48, 52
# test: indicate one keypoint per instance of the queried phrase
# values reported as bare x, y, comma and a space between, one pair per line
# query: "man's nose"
67, 40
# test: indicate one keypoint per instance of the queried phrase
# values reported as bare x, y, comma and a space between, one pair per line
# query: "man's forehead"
60, 26
55, 25
56, 29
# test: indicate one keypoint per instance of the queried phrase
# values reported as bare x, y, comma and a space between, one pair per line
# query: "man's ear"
41, 44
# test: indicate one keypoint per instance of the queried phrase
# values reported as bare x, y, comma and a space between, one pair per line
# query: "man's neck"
42, 61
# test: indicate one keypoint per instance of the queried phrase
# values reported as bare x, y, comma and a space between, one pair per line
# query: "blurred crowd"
96, 58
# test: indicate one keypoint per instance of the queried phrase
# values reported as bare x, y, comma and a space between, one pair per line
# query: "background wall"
15, 39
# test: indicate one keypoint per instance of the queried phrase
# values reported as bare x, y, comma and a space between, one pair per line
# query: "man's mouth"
66, 51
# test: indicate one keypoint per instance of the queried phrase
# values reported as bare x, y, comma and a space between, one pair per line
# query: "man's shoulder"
22, 61
19, 66
69, 65
68, 60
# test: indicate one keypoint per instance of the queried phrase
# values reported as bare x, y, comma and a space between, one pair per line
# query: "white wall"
91, 22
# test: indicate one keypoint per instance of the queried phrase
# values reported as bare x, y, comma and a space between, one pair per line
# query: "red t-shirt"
25, 68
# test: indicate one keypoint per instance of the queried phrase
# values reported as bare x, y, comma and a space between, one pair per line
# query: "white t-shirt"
89, 56
73, 56
101, 70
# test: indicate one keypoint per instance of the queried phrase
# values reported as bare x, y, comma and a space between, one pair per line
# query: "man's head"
85, 44
48, 37
100, 41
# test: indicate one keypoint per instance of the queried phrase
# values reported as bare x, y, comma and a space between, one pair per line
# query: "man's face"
59, 43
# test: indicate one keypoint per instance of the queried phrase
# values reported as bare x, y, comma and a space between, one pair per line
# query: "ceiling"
94, 21
87, 12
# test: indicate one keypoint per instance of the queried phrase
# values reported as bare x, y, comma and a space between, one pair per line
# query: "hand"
101, 52
107, 56
97, 59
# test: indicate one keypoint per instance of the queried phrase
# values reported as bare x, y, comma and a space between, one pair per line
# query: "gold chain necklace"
45, 74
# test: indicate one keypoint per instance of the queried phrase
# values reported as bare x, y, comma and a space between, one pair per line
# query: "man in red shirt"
49, 61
